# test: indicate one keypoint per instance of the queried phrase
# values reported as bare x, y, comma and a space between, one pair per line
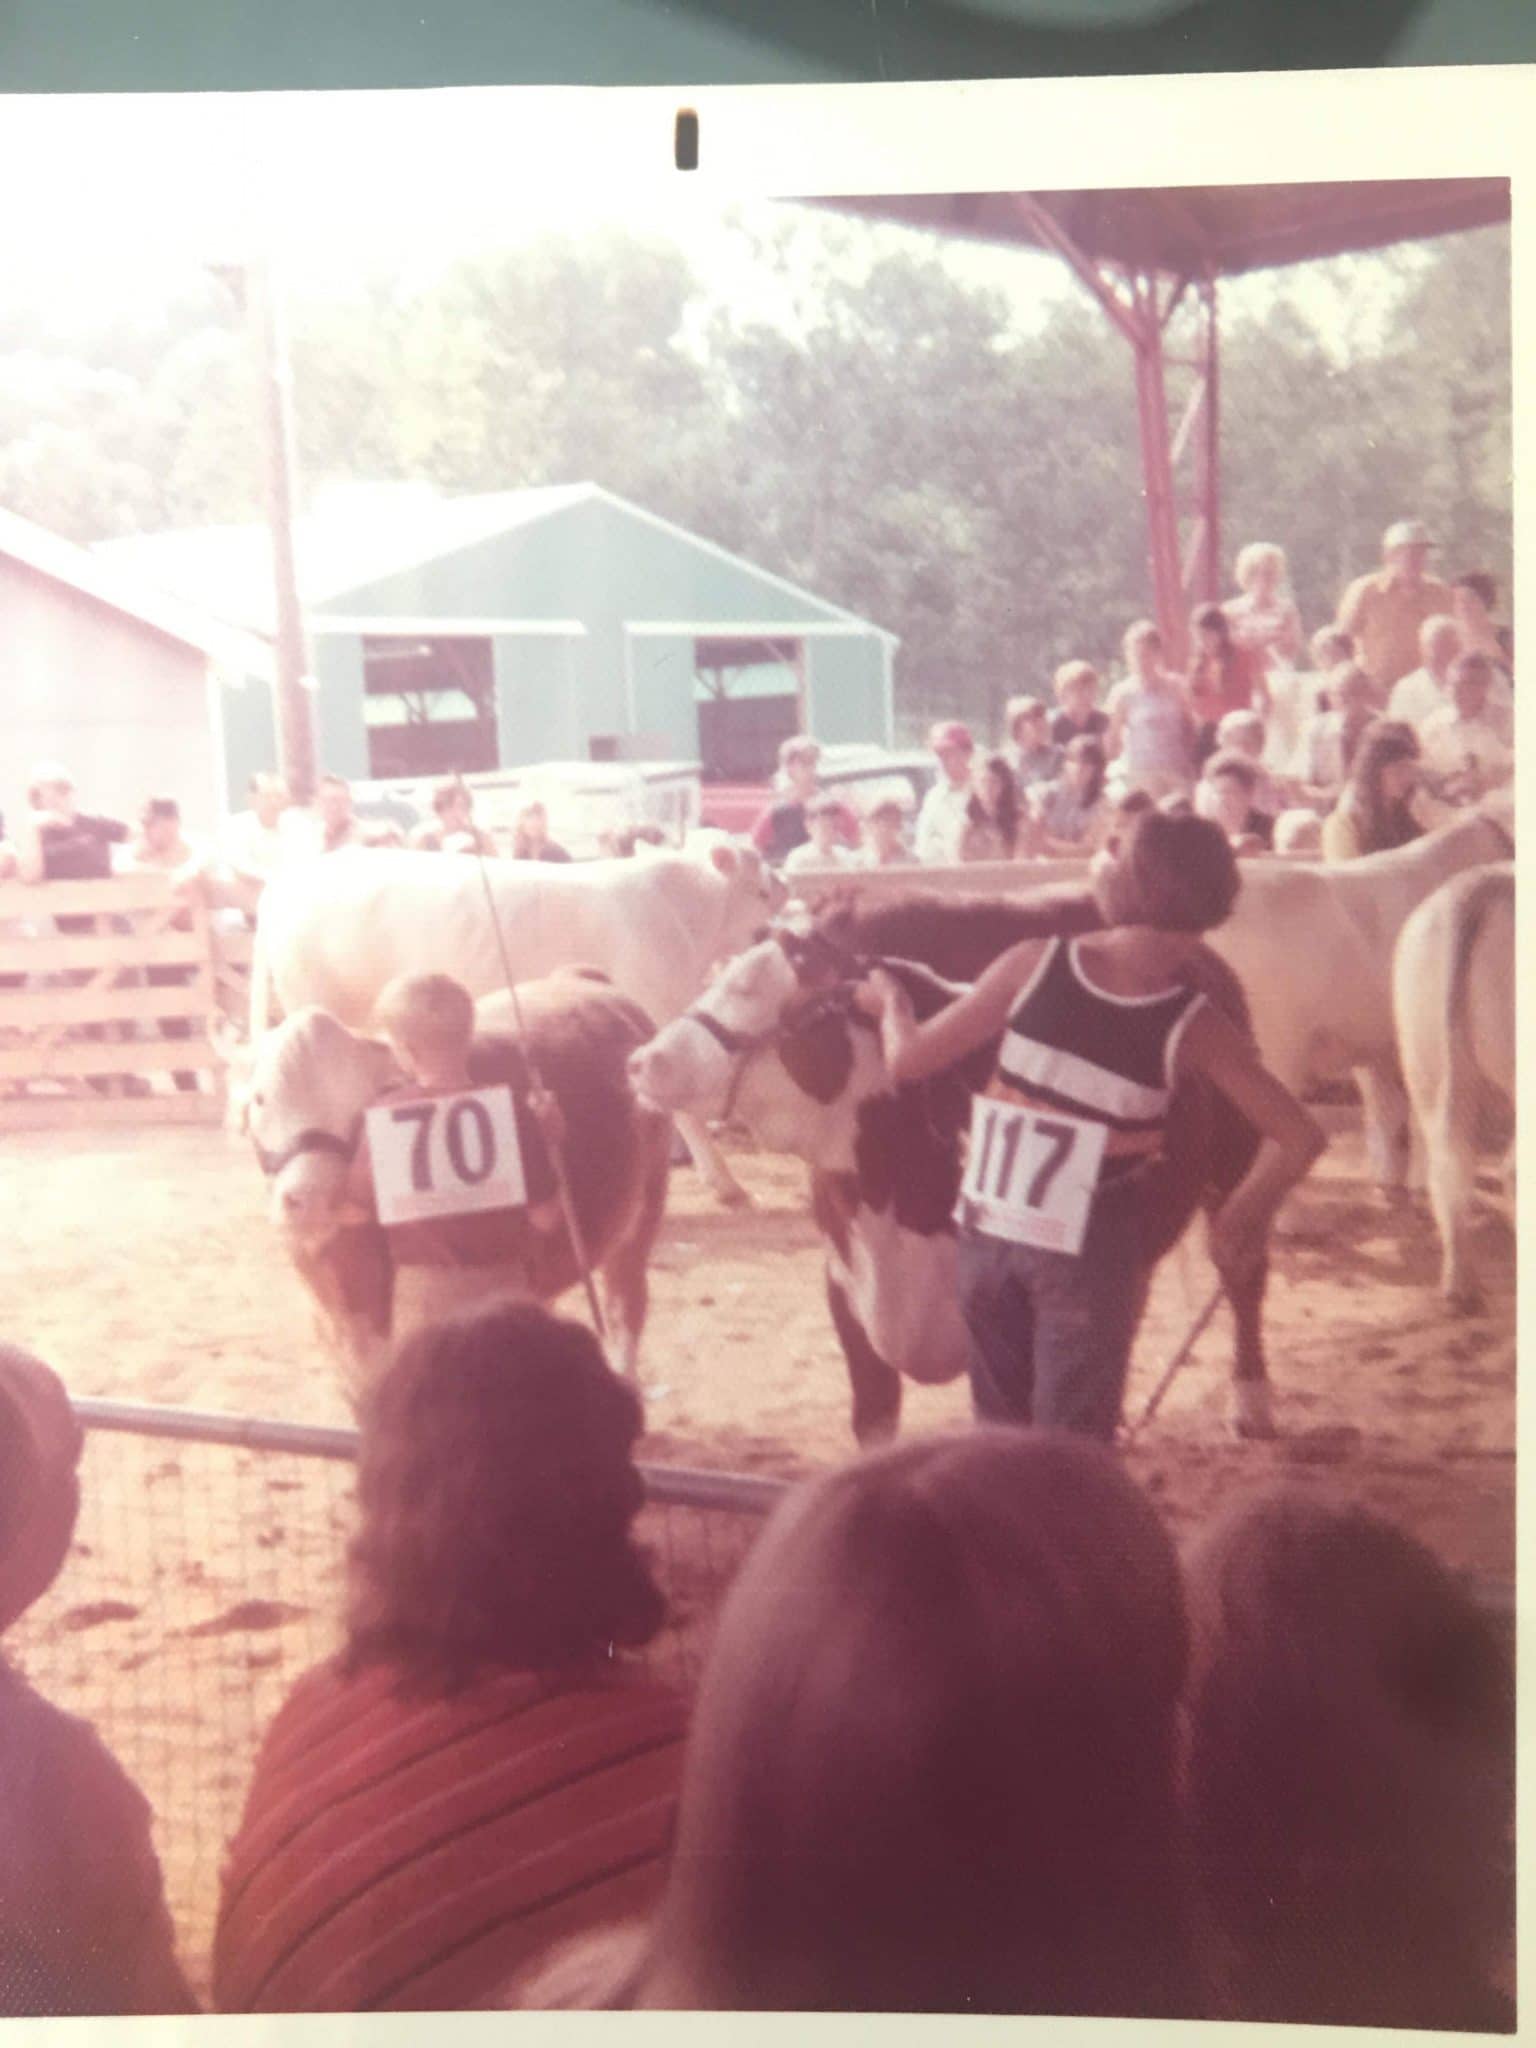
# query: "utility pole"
294, 698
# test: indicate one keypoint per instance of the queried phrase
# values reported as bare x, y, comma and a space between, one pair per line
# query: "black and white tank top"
1070, 1045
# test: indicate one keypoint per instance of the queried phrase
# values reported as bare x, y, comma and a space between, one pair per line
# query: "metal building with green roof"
563, 623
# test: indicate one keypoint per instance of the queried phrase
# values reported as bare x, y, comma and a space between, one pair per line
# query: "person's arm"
30, 865
1292, 1139
913, 1050
1288, 640
1114, 731
1351, 604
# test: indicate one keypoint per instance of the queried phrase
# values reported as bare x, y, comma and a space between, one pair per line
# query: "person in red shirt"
1222, 676
482, 1771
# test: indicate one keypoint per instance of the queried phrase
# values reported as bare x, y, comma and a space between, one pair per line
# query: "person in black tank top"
1095, 1034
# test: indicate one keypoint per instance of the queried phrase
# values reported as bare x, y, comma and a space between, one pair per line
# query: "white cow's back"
336, 931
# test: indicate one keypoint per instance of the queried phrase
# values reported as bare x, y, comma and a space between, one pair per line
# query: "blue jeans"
1051, 1336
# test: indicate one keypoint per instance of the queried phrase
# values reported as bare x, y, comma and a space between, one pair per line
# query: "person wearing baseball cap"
84, 1926
1385, 609
941, 821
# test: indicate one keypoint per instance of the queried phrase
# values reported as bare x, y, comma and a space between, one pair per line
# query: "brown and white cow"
313, 1079
1454, 994
775, 1040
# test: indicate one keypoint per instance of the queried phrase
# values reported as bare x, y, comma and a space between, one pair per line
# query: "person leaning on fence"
932, 1764
1096, 1033
163, 848
1350, 1774
482, 1771
442, 1264
84, 1927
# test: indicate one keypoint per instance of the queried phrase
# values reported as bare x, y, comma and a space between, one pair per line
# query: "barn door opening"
751, 697
429, 706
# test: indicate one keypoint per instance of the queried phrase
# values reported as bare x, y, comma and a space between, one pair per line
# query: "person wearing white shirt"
942, 820
824, 849
1467, 741
258, 841
1427, 687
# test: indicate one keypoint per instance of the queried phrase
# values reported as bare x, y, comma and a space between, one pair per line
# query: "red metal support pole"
1157, 475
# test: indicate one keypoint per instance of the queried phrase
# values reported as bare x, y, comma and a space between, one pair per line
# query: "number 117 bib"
1030, 1175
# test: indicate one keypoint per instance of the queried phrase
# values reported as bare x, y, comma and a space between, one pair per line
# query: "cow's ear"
724, 860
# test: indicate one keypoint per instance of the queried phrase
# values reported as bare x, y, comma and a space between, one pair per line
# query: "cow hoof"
734, 1196
1253, 1416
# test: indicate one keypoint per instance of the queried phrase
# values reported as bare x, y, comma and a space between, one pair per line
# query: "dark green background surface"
196, 45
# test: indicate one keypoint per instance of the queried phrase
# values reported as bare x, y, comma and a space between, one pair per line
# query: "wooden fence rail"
108, 991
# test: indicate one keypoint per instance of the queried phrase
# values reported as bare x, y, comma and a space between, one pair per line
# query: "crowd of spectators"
1261, 729
972, 1736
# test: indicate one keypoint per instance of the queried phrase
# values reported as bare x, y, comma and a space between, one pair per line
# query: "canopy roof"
1212, 230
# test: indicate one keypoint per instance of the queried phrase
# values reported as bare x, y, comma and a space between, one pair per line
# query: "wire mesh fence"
207, 1575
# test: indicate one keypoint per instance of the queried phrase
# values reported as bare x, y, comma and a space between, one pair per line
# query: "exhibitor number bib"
445, 1155
1030, 1174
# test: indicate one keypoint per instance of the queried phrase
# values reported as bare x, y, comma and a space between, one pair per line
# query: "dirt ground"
140, 1263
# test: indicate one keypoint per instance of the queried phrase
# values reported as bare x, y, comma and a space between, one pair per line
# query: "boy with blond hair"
449, 1264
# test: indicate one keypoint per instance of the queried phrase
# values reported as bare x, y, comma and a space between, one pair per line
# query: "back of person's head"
430, 1010
1243, 730
1174, 871
1349, 1771
496, 1492
451, 794
161, 810
932, 1761
40, 1445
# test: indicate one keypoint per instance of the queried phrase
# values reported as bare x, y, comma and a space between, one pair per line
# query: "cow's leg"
626, 1269
1452, 1179
710, 1161
876, 1385
1388, 1126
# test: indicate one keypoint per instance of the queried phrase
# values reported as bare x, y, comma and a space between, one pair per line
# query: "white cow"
332, 933
1313, 949
1454, 994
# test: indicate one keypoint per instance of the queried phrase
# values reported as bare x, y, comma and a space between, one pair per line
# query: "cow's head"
778, 1039
311, 1082
753, 893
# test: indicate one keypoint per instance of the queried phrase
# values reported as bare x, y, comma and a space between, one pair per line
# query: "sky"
123, 194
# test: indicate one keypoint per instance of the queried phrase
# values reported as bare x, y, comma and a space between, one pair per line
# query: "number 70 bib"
1030, 1175
445, 1155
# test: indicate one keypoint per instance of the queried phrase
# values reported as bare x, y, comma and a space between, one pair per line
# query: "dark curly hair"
496, 1488
1174, 871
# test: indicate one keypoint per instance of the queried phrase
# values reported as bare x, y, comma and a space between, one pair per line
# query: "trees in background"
878, 429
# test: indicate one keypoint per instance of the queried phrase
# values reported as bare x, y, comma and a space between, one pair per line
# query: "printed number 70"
464, 1113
